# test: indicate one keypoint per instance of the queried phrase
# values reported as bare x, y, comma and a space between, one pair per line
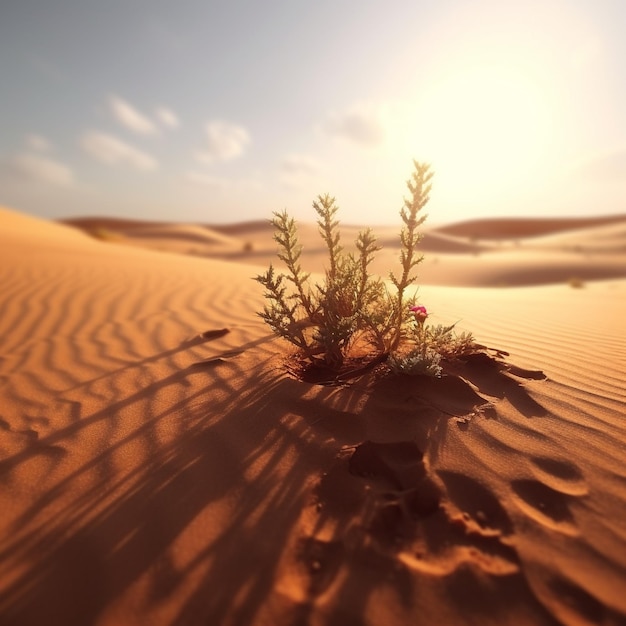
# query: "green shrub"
351, 315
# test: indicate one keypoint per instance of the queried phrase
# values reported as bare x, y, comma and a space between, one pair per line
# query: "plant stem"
409, 238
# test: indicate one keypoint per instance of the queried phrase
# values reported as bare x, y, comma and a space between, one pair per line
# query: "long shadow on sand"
379, 524
183, 517
223, 469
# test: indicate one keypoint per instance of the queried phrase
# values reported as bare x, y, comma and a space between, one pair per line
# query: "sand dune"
545, 252
517, 228
181, 238
158, 466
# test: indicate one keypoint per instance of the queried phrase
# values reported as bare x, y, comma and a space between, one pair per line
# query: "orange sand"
157, 465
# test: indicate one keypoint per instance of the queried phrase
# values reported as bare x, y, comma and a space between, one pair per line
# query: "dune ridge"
159, 466
512, 252
497, 228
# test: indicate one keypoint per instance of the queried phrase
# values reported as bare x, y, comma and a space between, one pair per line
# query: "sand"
481, 253
159, 466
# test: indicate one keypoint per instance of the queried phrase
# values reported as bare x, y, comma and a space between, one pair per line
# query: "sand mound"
167, 237
518, 228
511, 253
159, 467
16, 225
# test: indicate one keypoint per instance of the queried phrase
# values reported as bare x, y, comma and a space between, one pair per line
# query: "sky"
213, 112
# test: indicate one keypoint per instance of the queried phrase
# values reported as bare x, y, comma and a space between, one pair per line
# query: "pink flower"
419, 312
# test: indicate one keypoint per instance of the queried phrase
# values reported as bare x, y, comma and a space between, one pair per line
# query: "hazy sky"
210, 111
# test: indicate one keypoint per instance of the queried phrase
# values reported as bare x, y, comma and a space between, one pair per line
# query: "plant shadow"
379, 499
193, 506
120, 520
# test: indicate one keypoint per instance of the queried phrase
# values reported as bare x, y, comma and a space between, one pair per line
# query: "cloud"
298, 164
167, 117
37, 143
38, 168
226, 141
242, 185
357, 125
206, 180
111, 150
608, 167
128, 116
297, 170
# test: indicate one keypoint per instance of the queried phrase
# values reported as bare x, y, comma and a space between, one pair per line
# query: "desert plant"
576, 283
321, 321
104, 234
350, 307
410, 237
426, 346
419, 362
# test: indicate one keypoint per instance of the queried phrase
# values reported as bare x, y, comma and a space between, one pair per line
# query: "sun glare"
497, 105
485, 121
